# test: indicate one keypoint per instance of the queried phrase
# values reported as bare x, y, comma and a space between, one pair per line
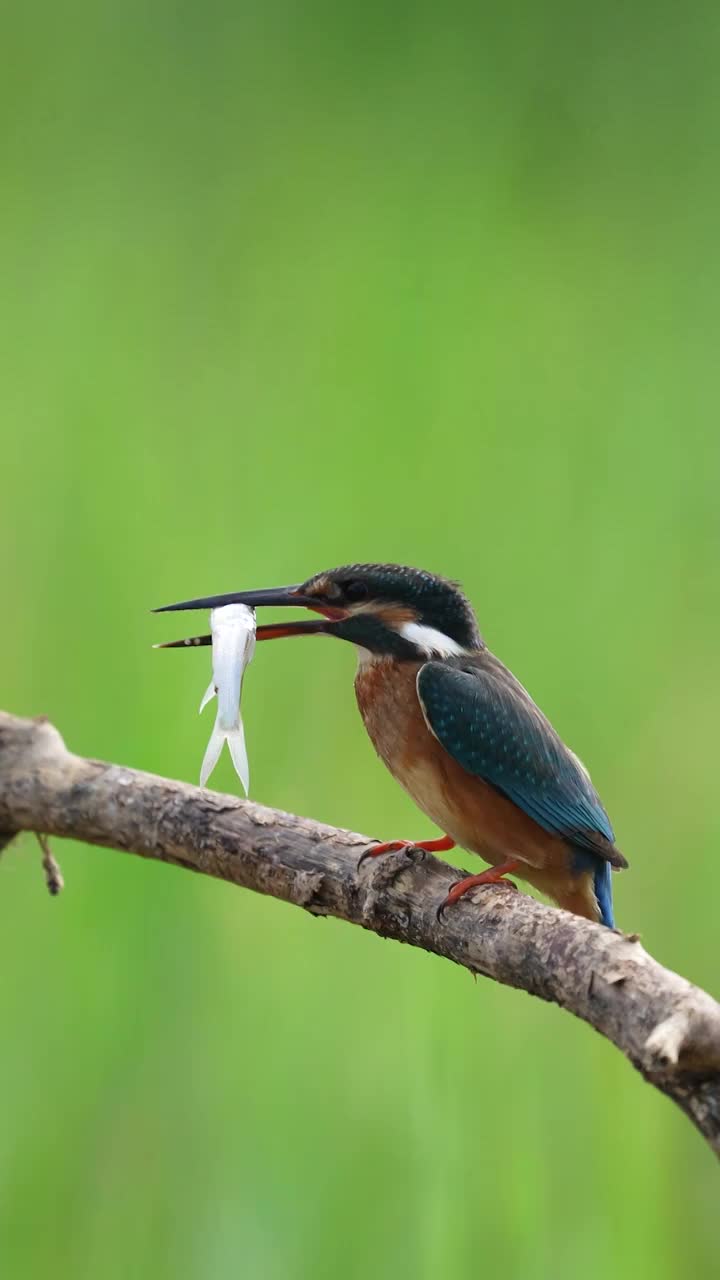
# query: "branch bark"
668, 1028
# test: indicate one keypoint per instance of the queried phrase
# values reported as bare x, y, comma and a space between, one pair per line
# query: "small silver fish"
233, 645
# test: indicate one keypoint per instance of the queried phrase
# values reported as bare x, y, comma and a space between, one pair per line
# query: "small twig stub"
53, 875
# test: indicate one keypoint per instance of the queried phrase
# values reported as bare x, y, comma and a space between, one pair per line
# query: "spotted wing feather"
489, 724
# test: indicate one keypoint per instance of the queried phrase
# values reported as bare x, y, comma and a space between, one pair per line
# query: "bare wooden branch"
668, 1028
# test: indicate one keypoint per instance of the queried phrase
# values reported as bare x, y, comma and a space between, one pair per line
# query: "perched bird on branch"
458, 731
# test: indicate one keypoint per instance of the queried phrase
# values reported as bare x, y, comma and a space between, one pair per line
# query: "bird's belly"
477, 817
474, 814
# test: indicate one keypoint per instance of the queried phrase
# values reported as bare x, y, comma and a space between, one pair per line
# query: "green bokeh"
285, 286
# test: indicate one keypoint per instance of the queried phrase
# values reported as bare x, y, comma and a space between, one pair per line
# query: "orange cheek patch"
321, 588
327, 610
393, 615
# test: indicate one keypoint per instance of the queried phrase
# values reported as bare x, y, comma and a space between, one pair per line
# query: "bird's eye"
354, 591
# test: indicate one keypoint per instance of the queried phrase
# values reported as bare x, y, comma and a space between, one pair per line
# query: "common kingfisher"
458, 731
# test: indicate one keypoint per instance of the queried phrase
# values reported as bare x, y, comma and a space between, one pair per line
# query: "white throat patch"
429, 640
365, 657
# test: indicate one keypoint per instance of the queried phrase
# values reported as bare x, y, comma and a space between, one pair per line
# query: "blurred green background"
286, 286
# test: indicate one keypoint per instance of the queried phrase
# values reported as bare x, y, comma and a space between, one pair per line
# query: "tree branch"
668, 1028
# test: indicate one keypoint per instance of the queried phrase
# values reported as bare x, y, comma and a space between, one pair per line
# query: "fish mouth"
284, 597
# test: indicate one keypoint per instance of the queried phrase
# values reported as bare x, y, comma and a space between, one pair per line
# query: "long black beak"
253, 599
290, 596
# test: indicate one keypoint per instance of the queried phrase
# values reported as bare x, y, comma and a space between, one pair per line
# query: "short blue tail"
603, 891
601, 871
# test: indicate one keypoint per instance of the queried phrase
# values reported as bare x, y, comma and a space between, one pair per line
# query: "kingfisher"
458, 731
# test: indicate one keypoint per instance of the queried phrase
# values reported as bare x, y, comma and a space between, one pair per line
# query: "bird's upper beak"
277, 596
253, 599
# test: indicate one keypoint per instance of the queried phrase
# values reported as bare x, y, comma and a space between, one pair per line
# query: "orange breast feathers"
474, 814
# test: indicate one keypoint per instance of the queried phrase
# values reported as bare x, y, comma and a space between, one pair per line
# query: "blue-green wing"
487, 722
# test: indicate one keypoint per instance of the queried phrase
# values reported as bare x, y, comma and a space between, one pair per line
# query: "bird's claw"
439, 914
376, 849
415, 853
453, 896
447, 901
415, 849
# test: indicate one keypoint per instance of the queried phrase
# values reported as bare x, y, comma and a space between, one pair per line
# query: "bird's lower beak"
305, 627
277, 596
270, 631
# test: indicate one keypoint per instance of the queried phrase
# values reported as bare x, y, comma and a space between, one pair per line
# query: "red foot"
493, 875
441, 845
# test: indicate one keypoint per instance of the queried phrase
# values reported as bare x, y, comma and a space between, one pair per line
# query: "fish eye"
355, 590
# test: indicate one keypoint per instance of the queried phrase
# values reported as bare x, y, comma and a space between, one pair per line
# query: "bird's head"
385, 609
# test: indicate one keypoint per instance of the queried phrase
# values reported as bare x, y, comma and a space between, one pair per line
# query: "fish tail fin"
212, 753
235, 739
238, 753
209, 693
